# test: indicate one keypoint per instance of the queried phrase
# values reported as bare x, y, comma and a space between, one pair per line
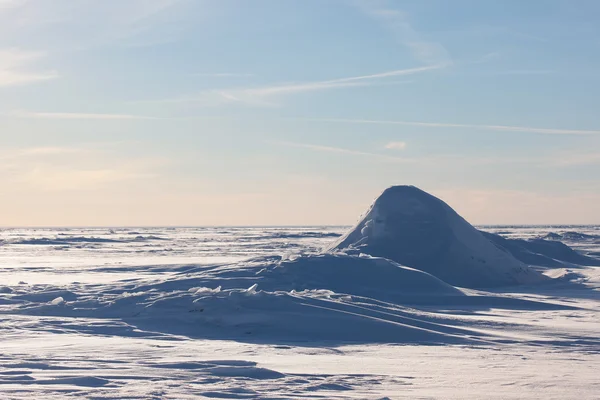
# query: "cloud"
51, 178
361, 80
341, 150
508, 72
7, 5
15, 67
85, 24
70, 115
556, 160
499, 128
26, 155
396, 72
17, 157
264, 95
223, 75
50, 150
397, 22
89, 166
433, 159
524, 72
396, 145
575, 159
73, 169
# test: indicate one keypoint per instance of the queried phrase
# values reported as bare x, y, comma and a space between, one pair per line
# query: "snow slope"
365, 276
414, 228
542, 252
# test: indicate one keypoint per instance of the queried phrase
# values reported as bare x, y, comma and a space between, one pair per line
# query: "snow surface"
414, 228
543, 252
261, 313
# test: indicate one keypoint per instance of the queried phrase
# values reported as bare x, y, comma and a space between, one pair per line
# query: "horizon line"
504, 225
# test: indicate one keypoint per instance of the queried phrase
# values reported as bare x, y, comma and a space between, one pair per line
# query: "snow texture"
262, 313
542, 252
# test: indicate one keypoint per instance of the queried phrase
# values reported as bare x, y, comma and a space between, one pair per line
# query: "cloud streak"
361, 80
576, 159
63, 168
50, 150
397, 22
498, 128
559, 160
76, 116
15, 67
525, 72
396, 146
223, 75
94, 23
341, 150
265, 95
49, 178
424, 160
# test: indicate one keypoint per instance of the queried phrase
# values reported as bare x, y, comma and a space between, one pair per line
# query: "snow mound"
366, 276
309, 298
414, 228
542, 252
570, 235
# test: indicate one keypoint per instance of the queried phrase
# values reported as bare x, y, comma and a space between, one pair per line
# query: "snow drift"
308, 299
366, 276
542, 252
414, 228
571, 236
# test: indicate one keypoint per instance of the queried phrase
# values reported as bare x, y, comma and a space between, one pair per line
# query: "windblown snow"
388, 311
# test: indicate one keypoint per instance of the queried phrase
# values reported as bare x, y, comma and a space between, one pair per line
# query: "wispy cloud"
27, 154
223, 75
387, 74
71, 115
396, 145
576, 159
426, 160
341, 150
16, 67
275, 90
92, 23
62, 179
73, 168
523, 72
500, 128
432, 159
555, 160
266, 95
50, 150
397, 22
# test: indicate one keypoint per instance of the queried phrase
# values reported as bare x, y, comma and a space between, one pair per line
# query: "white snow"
133, 322
57, 301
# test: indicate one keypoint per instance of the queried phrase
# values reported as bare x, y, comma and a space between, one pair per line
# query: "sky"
296, 112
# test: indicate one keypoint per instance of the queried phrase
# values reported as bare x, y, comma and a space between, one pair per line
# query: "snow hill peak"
409, 226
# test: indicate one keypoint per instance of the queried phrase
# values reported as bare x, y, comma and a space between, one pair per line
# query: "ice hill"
416, 229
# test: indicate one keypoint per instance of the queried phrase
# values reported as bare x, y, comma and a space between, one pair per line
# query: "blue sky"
191, 112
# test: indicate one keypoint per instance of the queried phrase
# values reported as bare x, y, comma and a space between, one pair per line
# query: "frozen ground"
235, 313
